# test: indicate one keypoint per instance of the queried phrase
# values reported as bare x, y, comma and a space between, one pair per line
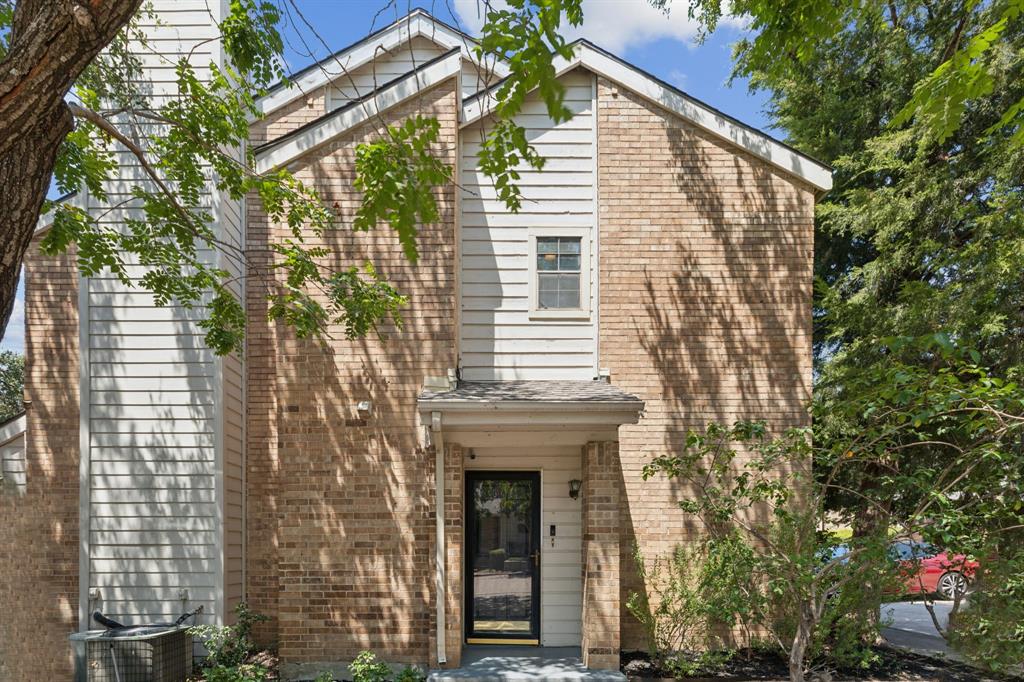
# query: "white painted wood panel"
561, 569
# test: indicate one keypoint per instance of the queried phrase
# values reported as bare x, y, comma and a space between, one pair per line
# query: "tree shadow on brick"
341, 521
39, 531
715, 247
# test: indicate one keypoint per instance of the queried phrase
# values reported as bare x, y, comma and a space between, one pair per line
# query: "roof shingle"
535, 391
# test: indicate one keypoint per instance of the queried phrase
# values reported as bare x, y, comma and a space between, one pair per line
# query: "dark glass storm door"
502, 557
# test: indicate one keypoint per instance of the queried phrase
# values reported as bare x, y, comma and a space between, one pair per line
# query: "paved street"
911, 626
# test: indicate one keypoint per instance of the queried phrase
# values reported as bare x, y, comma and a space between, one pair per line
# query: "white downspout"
439, 549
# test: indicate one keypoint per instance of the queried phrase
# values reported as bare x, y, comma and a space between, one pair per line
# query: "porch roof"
531, 391
529, 405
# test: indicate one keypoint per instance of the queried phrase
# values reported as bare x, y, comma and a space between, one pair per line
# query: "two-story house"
474, 477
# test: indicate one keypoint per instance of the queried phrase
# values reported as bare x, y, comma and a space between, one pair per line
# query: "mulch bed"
894, 664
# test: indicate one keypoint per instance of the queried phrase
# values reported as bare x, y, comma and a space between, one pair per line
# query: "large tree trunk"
51, 43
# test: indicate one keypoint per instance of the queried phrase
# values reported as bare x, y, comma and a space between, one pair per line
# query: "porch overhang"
530, 406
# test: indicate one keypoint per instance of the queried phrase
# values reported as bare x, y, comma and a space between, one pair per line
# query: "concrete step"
508, 663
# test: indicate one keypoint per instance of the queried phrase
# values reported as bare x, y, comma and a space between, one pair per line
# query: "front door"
502, 557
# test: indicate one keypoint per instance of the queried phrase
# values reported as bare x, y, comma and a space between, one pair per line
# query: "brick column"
602, 489
454, 485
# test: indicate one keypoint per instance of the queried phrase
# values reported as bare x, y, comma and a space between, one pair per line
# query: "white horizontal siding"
561, 570
13, 466
155, 525
499, 340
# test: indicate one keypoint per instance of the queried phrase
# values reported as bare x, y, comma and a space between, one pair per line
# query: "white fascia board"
704, 117
482, 104
76, 200
13, 429
291, 147
533, 414
418, 24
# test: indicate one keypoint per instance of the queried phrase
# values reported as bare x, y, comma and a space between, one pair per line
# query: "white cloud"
616, 25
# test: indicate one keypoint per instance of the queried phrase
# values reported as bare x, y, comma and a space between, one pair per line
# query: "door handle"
536, 558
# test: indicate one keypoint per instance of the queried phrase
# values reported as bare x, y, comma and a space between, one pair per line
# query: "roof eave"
540, 415
604, 63
417, 24
13, 428
45, 221
287, 148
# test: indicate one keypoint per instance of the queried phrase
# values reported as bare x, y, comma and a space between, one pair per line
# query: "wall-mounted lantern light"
574, 488
364, 408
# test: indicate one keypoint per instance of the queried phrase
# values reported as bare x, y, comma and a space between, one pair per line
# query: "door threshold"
497, 640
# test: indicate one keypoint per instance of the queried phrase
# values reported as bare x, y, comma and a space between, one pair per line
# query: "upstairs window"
560, 273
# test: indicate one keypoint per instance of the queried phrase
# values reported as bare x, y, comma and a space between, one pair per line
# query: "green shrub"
411, 674
244, 672
679, 621
990, 629
228, 648
367, 668
231, 645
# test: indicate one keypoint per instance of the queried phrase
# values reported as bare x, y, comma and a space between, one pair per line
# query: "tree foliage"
167, 243
772, 492
789, 35
12, 384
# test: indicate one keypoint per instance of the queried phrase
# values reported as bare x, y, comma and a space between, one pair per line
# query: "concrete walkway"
558, 664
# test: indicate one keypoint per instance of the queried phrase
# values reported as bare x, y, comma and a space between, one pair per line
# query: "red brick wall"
340, 511
705, 300
39, 530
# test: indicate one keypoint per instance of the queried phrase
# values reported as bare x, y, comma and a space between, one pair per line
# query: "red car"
927, 570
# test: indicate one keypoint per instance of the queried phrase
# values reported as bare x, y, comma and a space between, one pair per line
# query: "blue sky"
660, 44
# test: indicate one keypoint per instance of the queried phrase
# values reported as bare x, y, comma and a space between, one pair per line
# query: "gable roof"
320, 131
585, 54
418, 23
704, 116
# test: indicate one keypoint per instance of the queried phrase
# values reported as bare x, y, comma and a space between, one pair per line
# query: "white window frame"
586, 274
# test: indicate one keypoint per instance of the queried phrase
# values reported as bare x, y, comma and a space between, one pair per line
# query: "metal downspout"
439, 549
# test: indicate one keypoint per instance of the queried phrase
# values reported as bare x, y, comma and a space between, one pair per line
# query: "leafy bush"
411, 673
921, 452
679, 620
229, 647
990, 629
244, 672
367, 668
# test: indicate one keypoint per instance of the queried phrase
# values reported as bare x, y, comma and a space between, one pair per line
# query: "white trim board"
701, 115
417, 23
530, 415
13, 429
75, 200
585, 235
290, 147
